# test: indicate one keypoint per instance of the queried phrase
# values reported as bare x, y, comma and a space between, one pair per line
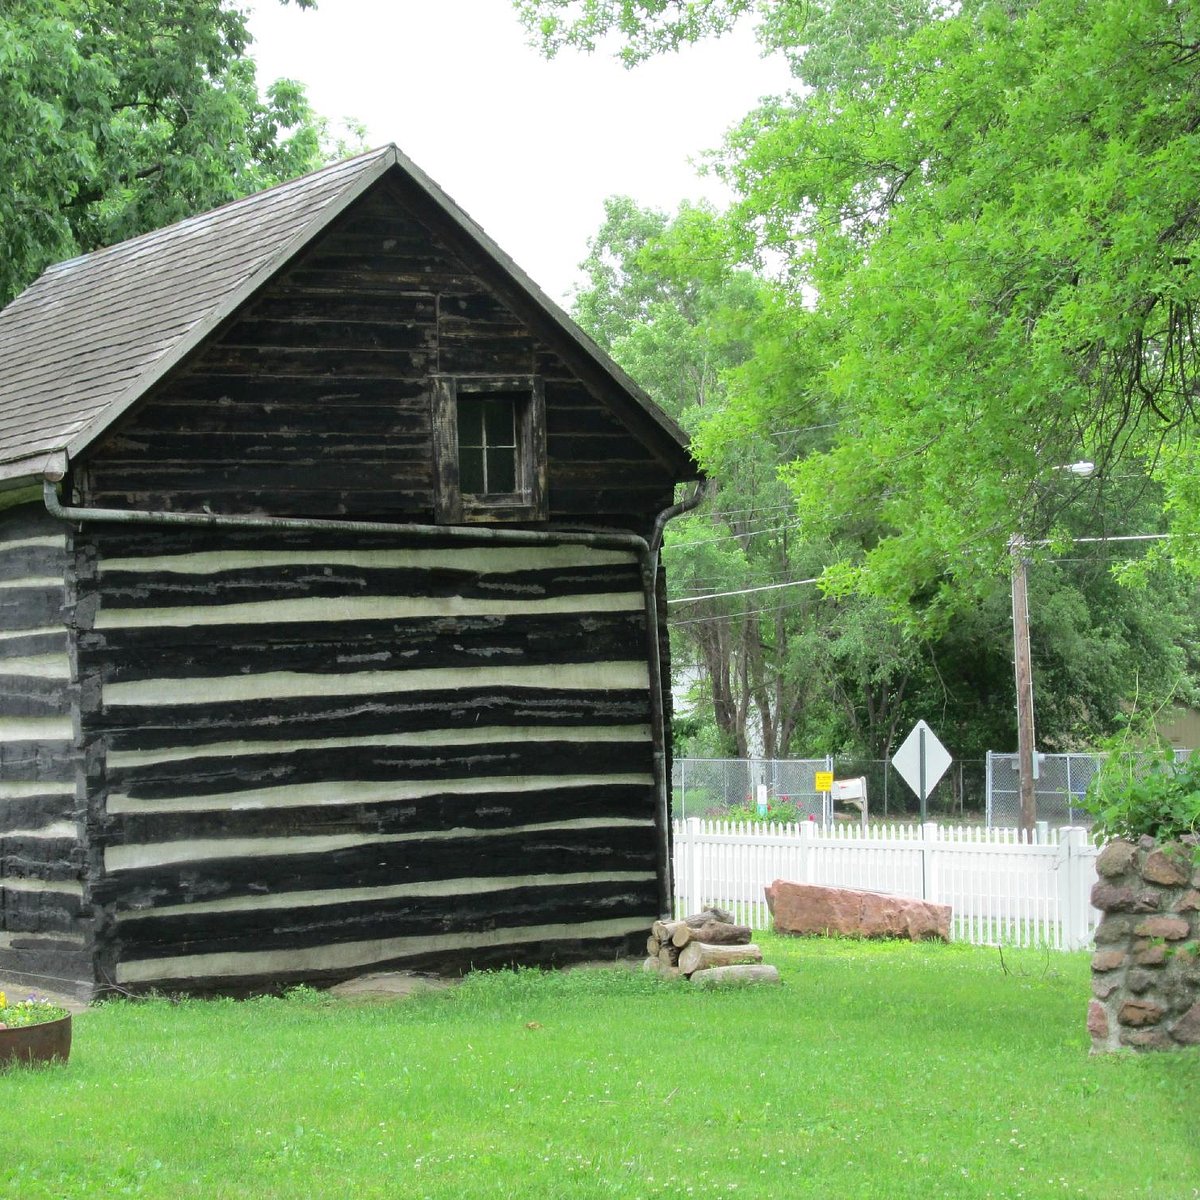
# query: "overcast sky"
529, 148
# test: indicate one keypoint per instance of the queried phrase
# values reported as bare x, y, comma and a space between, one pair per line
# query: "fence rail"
1001, 888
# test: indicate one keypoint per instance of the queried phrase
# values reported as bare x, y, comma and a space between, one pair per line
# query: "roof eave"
20, 472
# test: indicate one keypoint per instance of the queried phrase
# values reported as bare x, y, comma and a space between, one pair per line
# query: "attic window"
489, 448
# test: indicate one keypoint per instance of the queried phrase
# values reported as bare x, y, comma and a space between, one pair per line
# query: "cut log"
655, 966
709, 914
700, 956
670, 929
659, 930
716, 933
669, 956
653, 945
746, 973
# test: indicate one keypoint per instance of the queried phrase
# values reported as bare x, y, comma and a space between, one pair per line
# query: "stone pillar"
1146, 969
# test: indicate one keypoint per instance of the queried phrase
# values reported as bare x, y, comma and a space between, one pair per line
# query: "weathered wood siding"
316, 399
308, 755
41, 891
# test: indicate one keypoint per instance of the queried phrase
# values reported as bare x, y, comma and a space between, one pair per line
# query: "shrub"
1134, 795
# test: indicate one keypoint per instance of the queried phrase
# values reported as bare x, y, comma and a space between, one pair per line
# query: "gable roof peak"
94, 333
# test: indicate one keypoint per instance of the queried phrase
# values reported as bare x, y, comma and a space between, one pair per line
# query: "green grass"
882, 1071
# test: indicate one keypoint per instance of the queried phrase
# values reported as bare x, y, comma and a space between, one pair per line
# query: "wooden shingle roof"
89, 337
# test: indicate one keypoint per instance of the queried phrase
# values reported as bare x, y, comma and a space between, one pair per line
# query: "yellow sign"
824, 781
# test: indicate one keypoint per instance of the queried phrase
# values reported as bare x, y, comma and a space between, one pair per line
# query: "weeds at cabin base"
879, 1070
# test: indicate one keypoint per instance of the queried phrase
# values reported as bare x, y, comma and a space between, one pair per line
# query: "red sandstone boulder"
807, 908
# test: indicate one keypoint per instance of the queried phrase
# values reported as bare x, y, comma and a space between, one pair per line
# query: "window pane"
501, 469
470, 470
498, 421
470, 421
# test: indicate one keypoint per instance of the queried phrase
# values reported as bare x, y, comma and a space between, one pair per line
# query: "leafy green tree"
119, 116
980, 220
643, 27
985, 217
662, 300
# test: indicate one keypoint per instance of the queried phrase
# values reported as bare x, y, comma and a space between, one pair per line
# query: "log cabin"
332, 628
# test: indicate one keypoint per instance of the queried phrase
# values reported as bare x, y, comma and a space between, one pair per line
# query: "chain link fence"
981, 789
1059, 786
722, 788
1060, 783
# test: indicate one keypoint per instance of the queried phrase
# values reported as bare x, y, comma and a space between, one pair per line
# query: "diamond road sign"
922, 743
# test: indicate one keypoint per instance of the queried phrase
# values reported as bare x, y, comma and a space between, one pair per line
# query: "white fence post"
1072, 903
695, 868
802, 857
929, 873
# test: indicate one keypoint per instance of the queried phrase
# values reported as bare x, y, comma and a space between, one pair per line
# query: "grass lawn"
881, 1071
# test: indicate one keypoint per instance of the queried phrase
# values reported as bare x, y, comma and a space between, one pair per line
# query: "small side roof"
88, 338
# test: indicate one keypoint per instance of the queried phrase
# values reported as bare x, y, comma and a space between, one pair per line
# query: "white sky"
529, 148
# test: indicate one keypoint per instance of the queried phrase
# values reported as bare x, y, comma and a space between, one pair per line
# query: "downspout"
658, 722
647, 553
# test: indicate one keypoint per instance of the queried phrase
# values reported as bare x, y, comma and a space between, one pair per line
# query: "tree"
119, 116
981, 223
644, 27
987, 217
662, 300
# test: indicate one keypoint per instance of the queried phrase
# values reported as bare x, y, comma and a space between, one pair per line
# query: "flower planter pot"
48, 1042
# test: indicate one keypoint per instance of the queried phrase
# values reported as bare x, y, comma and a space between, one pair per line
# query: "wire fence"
728, 788
1060, 782
985, 789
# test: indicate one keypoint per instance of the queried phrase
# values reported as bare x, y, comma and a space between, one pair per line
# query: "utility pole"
1024, 674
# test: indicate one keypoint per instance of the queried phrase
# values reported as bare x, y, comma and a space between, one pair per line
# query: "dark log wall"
311, 755
42, 938
316, 399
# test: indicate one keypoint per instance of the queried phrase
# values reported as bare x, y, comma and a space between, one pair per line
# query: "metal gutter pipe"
647, 554
659, 732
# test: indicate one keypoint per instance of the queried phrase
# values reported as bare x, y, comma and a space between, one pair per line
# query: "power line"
748, 612
724, 537
768, 587
753, 508
802, 429
774, 587
1128, 537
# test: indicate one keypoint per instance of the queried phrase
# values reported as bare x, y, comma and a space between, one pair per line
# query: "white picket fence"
1001, 888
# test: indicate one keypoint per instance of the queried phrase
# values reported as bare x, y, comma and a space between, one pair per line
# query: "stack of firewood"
709, 948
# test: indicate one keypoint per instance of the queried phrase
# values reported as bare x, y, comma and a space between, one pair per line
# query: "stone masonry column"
1146, 968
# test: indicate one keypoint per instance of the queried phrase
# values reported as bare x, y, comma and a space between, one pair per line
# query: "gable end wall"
315, 400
